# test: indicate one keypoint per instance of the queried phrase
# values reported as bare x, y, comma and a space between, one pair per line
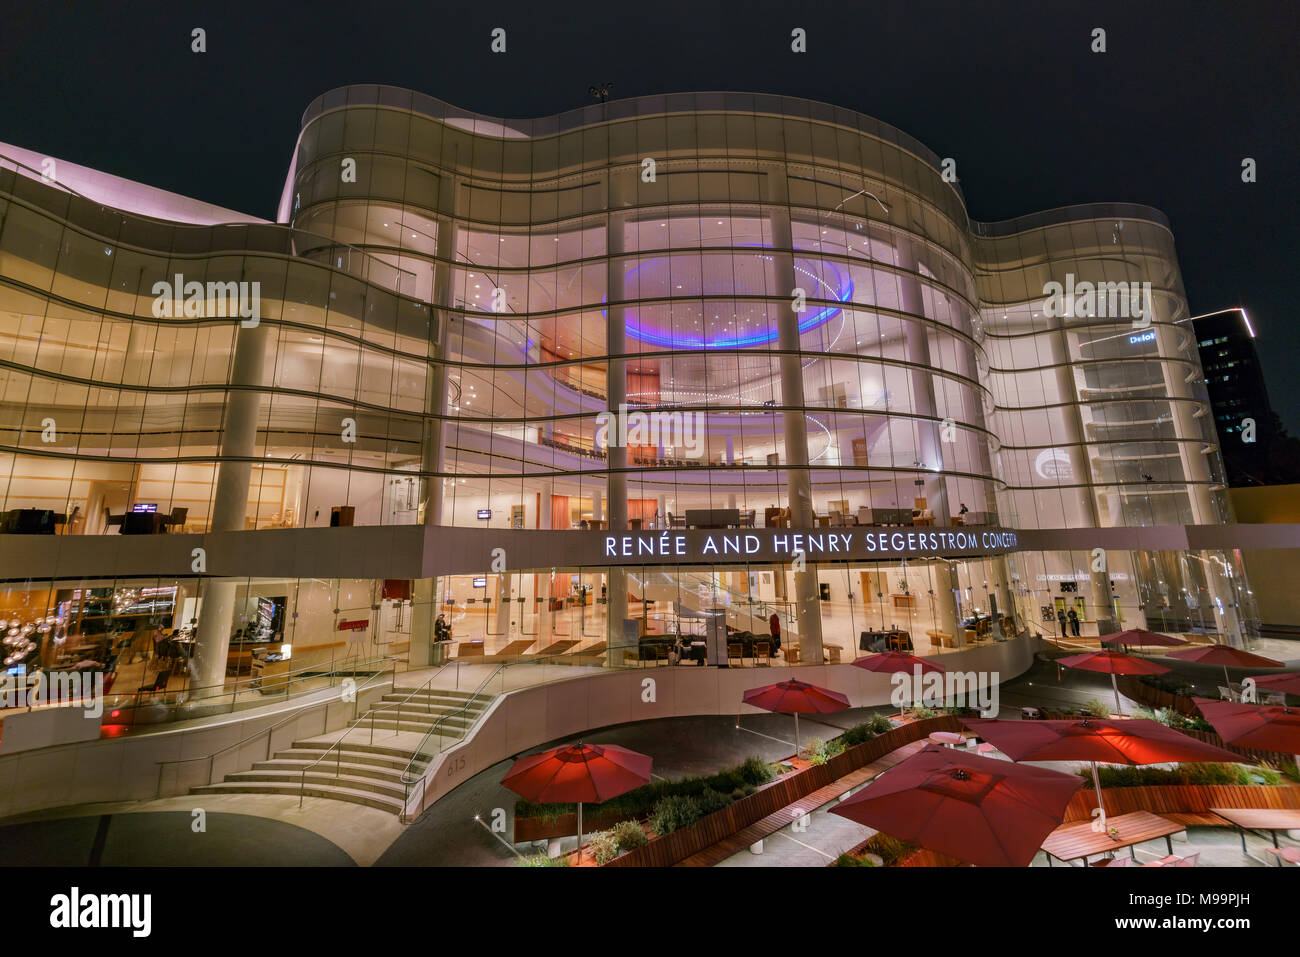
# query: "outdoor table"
1070, 842
1260, 819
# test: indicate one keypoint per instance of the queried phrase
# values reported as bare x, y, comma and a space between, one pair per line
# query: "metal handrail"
338, 762
406, 779
269, 728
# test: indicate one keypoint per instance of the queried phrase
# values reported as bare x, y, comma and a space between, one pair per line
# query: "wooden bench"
747, 837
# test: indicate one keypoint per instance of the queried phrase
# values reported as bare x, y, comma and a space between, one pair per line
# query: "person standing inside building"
1074, 622
1060, 617
441, 630
774, 624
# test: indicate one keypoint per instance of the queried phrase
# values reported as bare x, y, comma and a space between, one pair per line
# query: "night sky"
1009, 89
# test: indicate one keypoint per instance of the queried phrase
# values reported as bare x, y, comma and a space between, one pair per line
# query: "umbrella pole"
797, 748
580, 831
1096, 786
1119, 709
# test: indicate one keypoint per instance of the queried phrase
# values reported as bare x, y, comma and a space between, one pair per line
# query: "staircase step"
445, 692
389, 775
319, 777
447, 730
350, 756
357, 747
350, 795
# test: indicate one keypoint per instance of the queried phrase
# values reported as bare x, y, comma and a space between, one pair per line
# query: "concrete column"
433, 447
945, 602
424, 609
616, 393
793, 418
930, 450
545, 620
230, 503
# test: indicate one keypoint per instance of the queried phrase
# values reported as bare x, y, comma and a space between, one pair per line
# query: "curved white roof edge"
124, 194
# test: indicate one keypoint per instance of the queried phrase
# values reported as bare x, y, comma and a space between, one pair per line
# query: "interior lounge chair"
159, 683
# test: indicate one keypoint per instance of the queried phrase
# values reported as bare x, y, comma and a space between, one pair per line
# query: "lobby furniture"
31, 521
903, 601
141, 523
865, 516
271, 677
747, 517
736, 651
763, 653
941, 639
712, 517
159, 683
791, 654
831, 654
877, 641
776, 518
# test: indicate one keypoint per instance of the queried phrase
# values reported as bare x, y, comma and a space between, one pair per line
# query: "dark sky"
1185, 90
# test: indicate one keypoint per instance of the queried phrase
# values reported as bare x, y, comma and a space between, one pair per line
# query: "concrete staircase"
363, 769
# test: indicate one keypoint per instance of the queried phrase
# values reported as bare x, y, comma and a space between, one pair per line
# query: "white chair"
1227, 694
1188, 861
864, 515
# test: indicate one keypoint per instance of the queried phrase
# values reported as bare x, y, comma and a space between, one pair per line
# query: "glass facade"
706, 310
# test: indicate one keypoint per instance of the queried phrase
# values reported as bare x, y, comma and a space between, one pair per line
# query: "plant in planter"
1096, 708
541, 860
673, 812
627, 835
602, 846
855, 860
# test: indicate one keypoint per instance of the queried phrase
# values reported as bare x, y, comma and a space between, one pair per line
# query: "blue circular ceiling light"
667, 339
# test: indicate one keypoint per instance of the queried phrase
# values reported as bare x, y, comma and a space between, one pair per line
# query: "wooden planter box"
1183, 798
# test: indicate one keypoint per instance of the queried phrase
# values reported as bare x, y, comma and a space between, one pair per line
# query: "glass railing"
146, 709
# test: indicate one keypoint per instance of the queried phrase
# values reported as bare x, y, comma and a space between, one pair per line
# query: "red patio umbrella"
796, 698
897, 662
1224, 655
988, 812
1134, 741
583, 773
1112, 663
1141, 637
1288, 683
1265, 727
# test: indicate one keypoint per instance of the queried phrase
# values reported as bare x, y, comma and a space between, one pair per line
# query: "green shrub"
922, 713
851, 860
890, 849
756, 771
880, 723
857, 734
628, 834
711, 800
1120, 776
602, 846
674, 812
541, 860
1096, 708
